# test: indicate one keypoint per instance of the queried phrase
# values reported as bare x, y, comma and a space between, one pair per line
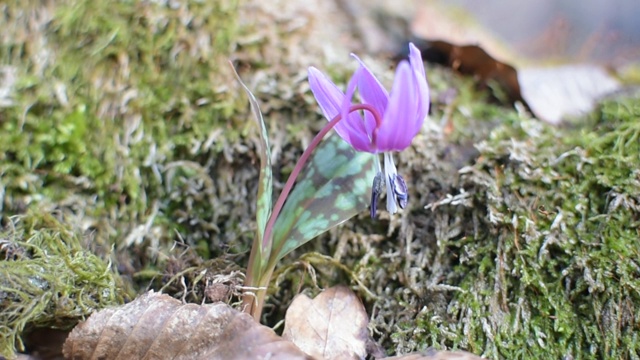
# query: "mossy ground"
544, 250
124, 139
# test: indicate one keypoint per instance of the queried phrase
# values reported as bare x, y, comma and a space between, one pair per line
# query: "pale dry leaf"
432, 354
331, 326
554, 93
157, 326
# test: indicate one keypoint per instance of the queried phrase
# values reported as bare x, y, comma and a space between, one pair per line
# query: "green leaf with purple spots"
333, 187
265, 181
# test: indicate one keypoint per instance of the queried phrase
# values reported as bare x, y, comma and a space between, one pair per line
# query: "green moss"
110, 100
554, 270
49, 279
108, 94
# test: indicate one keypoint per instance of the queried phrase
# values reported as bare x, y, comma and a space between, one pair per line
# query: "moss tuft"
49, 279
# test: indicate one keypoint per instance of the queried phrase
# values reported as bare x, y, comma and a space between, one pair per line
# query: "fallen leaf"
475, 61
331, 326
448, 36
432, 354
157, 326
554, 93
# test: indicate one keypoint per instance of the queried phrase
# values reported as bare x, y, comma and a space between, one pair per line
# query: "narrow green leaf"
265, 187
333, 187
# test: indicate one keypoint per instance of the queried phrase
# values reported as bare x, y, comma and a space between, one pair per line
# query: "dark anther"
376, 190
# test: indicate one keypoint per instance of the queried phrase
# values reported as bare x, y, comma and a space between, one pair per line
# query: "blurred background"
605, 31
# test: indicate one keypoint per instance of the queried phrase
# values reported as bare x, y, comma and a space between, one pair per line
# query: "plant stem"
253, 304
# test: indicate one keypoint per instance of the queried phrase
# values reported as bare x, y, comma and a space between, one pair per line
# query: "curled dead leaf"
157, 326
432, 354
331, 326
473, 60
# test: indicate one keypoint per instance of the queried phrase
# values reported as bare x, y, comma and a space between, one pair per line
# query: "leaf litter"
157, 326
332, 326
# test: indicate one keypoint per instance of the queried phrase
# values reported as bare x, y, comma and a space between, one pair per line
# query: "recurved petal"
415, 58
352, 123
327, 94
399, 125
371, 92
330, 99
422, 87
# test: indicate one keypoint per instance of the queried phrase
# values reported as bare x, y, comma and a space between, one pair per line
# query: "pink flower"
398, 120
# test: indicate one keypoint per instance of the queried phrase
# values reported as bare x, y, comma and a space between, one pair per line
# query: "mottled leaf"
331, 326
156, 326
334, 186
265, 181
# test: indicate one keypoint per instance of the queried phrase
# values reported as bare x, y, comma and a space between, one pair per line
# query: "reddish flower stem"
257, 276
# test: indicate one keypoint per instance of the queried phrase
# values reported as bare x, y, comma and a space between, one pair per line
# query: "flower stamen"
376, 190
400, 191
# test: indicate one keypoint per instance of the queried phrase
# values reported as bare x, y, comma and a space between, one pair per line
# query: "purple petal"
422, 87
327, 94
415, 58
371, 92
330, 99
353, 123
399, 124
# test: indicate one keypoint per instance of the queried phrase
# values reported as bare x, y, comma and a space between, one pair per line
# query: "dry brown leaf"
436, 355
157, 326
331, 326
473, 60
